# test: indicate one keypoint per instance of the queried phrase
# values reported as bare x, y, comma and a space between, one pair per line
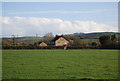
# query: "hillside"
94, 35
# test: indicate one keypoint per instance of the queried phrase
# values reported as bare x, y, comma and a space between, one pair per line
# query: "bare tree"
48, 37
48, 34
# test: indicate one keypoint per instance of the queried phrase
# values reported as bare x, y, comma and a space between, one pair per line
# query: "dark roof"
39, 42
57, 37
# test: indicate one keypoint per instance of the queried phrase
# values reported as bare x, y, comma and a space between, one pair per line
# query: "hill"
94, 35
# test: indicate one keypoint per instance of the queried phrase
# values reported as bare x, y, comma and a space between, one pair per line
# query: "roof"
57, 37
40, 42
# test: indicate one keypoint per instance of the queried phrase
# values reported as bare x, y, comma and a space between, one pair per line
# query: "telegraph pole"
13, 39
36, 35
17, 40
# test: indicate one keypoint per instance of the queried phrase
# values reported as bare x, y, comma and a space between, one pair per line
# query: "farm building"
59, 41
41, 44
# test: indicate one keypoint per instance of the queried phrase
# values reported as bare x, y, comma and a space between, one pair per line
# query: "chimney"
62, 35
56, 35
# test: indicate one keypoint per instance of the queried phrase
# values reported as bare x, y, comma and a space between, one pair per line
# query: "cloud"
32, 25
65, 12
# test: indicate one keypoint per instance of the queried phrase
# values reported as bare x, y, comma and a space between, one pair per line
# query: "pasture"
60, 64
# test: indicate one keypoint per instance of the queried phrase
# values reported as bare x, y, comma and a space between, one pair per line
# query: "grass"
0, 64
60, 64
91, 40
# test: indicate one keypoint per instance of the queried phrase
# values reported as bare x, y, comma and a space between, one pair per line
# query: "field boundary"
83, 79
53, 47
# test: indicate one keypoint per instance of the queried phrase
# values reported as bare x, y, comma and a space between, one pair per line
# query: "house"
59, 41
41, 44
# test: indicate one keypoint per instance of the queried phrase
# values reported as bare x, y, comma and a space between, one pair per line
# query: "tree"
104, 39
48, 37
48, 34
113, 38
108, 41
77, 41
93, 43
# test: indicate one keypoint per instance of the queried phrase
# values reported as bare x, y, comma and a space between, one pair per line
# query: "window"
61, 38
65, 42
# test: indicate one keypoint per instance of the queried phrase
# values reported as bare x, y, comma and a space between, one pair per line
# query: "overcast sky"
30, 18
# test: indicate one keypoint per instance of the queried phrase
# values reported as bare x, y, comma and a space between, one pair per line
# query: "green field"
60, 64
91, 40
0, 64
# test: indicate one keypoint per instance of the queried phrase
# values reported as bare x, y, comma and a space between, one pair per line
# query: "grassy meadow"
60, 64
0, 64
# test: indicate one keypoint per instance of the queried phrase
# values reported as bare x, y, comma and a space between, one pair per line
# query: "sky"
30, 18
